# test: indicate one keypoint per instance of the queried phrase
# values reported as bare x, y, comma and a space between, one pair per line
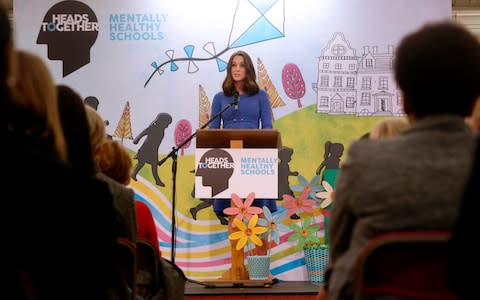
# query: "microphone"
235, 100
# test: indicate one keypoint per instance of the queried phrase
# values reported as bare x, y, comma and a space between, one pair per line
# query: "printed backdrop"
151, 68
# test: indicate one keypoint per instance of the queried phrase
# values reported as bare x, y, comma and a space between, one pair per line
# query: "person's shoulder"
140, 205
262, 93
365, 147
142, 208
219, 95
115, 187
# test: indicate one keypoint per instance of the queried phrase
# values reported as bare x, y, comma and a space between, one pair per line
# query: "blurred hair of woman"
388, 127
113, 160
34, 91
75, 127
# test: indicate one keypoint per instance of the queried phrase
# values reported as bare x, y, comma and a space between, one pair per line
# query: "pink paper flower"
294, 205
243, 210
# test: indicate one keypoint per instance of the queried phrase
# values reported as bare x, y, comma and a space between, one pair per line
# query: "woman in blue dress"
252, 112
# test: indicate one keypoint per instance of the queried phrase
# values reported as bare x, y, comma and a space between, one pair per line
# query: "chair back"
148, 258
409, 264
125, 269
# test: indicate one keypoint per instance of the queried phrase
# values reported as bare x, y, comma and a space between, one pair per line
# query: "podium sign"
219, 172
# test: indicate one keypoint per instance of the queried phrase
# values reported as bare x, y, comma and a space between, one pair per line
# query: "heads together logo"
215, 167
70, 29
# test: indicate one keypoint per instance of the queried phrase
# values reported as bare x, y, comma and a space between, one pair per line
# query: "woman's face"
239, 70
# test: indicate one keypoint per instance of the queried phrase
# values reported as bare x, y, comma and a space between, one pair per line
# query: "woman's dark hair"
75, 128
251, 86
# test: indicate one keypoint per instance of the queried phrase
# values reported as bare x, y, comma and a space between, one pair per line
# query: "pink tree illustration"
293, 83
183, 130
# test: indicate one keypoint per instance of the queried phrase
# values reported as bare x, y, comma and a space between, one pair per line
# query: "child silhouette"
285, 156
148, 152
330, 165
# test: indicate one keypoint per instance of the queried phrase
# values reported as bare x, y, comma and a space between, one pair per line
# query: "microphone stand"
173, 154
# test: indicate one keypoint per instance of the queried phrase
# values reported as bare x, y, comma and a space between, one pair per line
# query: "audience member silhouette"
386, 185
114, 161
48, 252
34, 88
123, 197
462, 253
75, 128
77, 134
148, 151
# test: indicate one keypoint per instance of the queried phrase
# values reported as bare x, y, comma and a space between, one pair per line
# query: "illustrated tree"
266, 84
293, 83
124, 126
183, 130
204, 107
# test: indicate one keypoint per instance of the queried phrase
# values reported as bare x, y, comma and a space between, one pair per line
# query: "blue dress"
252, 112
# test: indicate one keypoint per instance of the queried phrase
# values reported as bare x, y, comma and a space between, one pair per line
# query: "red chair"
410, 264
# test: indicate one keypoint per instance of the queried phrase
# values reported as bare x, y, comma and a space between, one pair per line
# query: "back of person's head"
388, 128
113, 160
34, 96
438, 70
96, 126
75, 127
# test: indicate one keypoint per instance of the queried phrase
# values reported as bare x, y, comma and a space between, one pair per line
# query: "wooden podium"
237, 274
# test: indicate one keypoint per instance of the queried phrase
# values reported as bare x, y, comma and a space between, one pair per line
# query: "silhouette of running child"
330, 165
285, 156
148, 152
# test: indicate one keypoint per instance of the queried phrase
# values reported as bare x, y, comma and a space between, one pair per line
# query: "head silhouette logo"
215, 167
70, 29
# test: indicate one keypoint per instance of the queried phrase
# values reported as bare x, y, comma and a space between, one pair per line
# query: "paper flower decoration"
243, 210
247, 233
312, 187
298, 205
305, 233
326, 196
273, 224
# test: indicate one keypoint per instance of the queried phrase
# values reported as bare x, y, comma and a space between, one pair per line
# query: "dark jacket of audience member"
463, 254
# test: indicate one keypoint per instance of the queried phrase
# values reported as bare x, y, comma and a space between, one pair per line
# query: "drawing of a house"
356, 85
